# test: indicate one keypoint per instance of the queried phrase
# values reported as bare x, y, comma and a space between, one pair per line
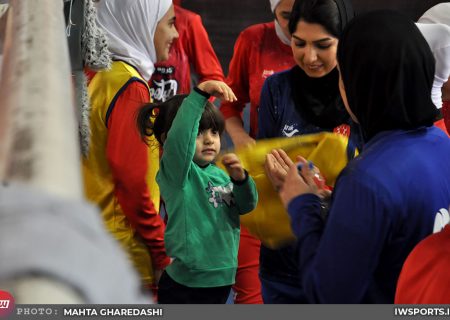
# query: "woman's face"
314, 49
164, 35
282, 14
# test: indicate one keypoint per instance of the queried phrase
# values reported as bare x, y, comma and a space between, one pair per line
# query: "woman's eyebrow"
315, 41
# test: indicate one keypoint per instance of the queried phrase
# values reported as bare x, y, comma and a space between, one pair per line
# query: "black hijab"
318, 100
387, 68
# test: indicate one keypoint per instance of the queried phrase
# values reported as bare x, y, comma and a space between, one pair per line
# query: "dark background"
225, 19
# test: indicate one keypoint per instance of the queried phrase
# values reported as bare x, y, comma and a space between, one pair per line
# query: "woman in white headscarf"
119, 170
260, 51
435, 27
439, 13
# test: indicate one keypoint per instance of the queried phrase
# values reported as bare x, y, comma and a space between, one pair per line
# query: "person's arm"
127, 156
200, 52
337, 262
235, 129
179, 147
238, 80
245, 193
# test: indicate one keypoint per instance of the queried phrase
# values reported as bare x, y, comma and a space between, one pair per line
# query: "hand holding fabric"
298, 183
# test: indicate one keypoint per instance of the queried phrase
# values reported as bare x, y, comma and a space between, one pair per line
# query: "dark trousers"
278, 292
171, 292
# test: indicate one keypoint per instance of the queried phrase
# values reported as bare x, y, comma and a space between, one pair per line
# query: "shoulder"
258, 31
185, 16
278, 79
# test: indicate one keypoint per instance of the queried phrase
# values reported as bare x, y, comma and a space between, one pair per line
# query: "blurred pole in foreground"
37, 117
55, 248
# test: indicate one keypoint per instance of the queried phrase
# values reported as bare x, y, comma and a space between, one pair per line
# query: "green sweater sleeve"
245, 194
179, 147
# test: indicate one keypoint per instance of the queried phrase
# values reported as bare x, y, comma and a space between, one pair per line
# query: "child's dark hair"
323, 12
156, 118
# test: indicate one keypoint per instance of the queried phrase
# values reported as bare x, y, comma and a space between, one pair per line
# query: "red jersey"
258, 53
193, 47
425, 278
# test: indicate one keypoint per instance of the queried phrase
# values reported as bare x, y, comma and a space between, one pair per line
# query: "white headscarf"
440, 13
130, 26
278, 29
273, 4
435, 27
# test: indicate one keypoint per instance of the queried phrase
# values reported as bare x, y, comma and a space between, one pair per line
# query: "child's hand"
233, 166
218, 89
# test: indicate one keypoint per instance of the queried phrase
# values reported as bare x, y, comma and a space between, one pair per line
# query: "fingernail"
310, 166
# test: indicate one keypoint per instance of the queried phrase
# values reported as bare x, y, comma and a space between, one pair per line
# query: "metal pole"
38, 144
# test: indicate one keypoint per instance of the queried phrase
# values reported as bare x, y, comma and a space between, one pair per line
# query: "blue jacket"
385, 201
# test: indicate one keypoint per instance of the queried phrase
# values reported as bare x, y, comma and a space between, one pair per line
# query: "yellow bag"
270, 222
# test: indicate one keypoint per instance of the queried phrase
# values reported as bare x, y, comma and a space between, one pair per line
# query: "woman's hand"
297, 183
218, 89
277, 166
233, 166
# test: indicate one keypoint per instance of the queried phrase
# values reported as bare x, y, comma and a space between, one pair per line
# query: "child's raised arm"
180, 145
218, 89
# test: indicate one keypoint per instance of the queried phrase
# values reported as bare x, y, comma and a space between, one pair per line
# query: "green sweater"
203, 206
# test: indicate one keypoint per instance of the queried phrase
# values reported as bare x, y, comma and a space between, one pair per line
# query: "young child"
203, 203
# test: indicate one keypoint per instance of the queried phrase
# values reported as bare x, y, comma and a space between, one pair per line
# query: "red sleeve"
198, 48
238, 78
128, 157
446, 114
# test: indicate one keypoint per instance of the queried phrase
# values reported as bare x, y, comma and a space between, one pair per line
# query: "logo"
267, 73
289, 131
6, 303
163, 89
220, 194
165, 70
441, 219
343, 129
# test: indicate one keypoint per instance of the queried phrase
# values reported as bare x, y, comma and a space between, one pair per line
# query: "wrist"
241, 181
200, 90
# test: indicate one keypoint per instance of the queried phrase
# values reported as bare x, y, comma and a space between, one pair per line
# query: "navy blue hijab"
388, 69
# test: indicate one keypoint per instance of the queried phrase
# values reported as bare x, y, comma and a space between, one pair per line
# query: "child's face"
207, 147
